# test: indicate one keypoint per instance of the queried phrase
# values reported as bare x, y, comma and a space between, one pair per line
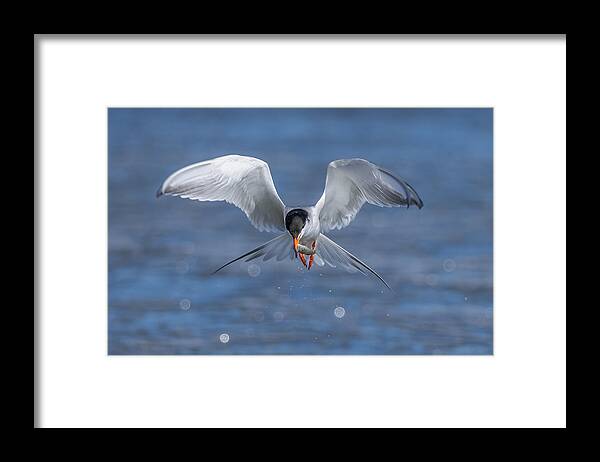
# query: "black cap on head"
295, 221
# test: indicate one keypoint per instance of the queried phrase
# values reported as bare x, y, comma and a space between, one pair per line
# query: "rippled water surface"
438, 260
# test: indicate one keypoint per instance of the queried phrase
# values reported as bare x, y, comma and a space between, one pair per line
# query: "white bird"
246, 182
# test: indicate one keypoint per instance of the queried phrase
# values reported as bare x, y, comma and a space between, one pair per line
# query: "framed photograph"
426, 285
300, 231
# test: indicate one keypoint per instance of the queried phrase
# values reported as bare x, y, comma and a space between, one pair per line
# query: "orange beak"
296, 246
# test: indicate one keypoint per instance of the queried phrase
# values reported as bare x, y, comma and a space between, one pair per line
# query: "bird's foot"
302, 259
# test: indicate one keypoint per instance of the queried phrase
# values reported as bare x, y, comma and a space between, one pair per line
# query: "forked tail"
328, 252
278, 248
336, 256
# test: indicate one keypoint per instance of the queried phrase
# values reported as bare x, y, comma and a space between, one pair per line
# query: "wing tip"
159, 192
413, 199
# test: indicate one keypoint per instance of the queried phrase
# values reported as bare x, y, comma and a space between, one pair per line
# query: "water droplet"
224, 338
449, 265
259, 316
431, 280
466, 299
253, 270
278, 316
339, 312
185, 304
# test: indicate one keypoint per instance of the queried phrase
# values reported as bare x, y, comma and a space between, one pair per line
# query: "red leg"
312, 257
302, 258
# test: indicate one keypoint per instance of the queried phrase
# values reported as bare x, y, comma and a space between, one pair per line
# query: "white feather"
245, 182
336, 256
279, 248
352, 182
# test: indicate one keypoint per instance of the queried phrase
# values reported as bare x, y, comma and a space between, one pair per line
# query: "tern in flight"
246, 182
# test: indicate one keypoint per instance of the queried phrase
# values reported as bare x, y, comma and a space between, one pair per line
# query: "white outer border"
524, 384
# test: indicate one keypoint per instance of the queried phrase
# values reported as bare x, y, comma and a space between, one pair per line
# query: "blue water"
162, 299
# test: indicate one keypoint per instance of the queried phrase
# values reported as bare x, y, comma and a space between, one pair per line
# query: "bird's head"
295, 220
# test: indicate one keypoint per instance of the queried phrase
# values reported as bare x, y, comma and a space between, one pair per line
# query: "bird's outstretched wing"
279, 248
336, 256
245, 182
352, 182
